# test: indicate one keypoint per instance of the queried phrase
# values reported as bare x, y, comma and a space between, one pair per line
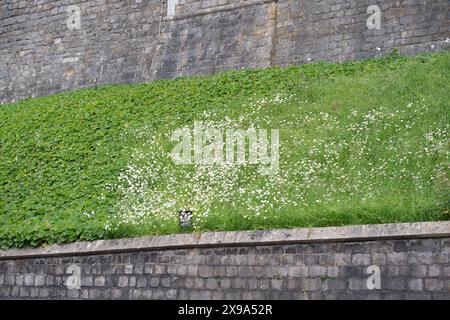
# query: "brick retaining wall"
413, 260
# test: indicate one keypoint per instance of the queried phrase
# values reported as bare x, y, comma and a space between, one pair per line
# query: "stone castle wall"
43, 50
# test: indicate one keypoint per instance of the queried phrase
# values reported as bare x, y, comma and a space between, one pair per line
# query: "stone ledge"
240, 238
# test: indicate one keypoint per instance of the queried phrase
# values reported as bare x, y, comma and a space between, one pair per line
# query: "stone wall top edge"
239, 238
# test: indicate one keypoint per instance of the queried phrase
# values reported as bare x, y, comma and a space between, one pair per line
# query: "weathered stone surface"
128, 41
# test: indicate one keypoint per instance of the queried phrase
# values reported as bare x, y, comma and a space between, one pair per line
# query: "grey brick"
261, 260
245, 271
83, 295
116, 293
15, 292
204, 295
73, 294
49, 280
315, 271
425, 257
184, 294
136, 294
99, 293
412, 258
441, 258
434, 271
287, 259
333, 272
342, 259
298, 272
39, 280
399, 284
445, 245
172, 269
166, 282
153, 282
192, 271
277, 284
311, 259
396, 258
309, 284
227, 260
393, 271
445, 271
148, 268
141, 282
9, 280
366, 295
171, 294
212, 284
231, 271
138, 269
240, 260
417, 296
440, 296
378, 258
264, 284
334, 285
361, 259
218, 295
43, 292
293, 284
434, 284
357, 284
158, 294
123, 281
205, 271
24, 292
394, 296
418, 271
327, 259
190, 283
147, 294
351, 271
275, 260
160, 269
99, 281
225, 283
86, 281
415, 284
29, 280
199, 283
34, 293
182, 270
59, 269
129, 269
237, 283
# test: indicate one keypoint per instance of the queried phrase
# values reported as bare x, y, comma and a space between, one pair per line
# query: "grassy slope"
361, 142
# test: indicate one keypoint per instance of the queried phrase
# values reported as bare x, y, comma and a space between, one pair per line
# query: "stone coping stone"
239, 238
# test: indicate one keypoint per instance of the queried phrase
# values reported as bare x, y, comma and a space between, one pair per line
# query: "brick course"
330, 270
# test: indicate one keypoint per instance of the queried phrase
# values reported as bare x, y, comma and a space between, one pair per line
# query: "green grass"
361, 142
